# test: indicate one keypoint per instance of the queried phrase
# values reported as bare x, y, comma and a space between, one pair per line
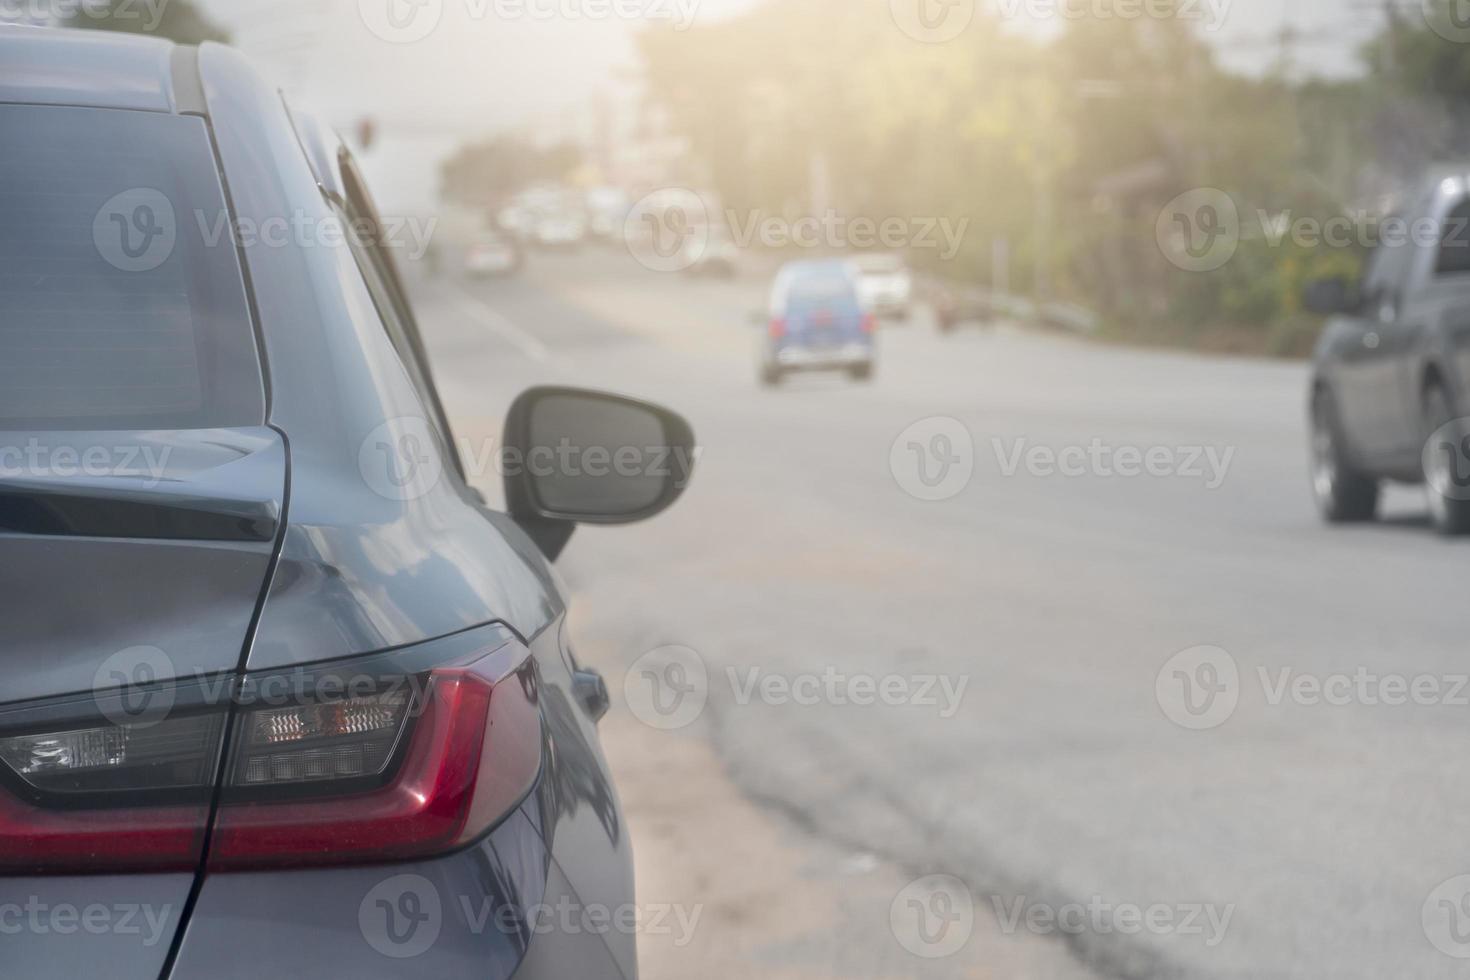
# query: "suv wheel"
1344, 493
1450, 512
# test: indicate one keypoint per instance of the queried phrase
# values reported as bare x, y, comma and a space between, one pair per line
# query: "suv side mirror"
1328, 297
574, 456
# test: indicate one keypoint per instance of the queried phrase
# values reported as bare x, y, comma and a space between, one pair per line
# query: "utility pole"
1390, 40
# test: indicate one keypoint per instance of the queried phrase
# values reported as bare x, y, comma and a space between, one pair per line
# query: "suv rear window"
121, 300
833, 289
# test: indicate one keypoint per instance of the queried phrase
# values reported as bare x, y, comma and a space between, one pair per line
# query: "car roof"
817, 268
878, 260
99, 69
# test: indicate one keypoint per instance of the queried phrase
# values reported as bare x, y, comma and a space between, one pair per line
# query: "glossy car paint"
357, 572
172, 558
338, 385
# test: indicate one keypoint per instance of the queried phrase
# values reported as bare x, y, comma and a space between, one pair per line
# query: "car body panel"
577, 807
359, 570
40, 66
327, 922
128, 549
118, 926
565, 845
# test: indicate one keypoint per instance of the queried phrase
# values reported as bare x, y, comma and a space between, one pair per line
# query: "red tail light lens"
102, 795
778, 327
469, 757
404, 766
870, 323
46, 841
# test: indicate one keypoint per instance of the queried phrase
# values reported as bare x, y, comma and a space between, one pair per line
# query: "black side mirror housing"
574, 456
1329, 297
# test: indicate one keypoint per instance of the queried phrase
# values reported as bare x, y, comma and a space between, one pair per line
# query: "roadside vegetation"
1064, 151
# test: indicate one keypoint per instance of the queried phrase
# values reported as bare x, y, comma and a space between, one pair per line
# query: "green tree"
487, 174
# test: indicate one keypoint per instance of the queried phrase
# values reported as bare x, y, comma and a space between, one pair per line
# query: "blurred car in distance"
885, 284
1068, 316
817, 321
715, 255
559, 230
607, 212
955, 305
493, 254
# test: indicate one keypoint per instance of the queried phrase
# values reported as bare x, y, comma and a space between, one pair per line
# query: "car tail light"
870, 323
468, 752
778, 327
392, 765
348, 739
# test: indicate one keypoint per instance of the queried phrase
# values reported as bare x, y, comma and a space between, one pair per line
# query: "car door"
1369, 340
1397, 362
1446, 313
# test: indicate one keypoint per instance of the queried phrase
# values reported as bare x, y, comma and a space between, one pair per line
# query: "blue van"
817, 321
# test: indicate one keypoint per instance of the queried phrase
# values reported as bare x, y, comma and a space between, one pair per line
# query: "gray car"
279, 695
1391, 375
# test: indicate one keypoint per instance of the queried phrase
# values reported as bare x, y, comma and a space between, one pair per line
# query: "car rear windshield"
121, 300
832, 289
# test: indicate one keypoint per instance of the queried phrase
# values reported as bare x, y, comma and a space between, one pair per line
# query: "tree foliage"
1065, 148
487, 174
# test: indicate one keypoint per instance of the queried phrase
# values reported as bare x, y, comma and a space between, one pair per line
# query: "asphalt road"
1028, 732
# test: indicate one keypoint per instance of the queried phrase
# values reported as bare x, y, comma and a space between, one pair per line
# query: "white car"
559, 231
492, 255
885, 285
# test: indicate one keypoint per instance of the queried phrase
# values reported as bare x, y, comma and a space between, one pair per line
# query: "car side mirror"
574, 456
1328, 297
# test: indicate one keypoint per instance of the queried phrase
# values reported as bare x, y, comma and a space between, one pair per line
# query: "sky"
500, 64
